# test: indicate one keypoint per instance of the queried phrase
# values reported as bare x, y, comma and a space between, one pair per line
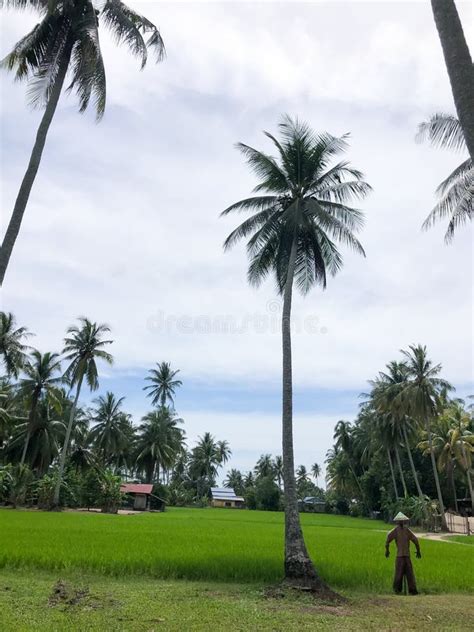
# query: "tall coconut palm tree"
235, 481
456, 193
460, 420
458, 64
109, 433
66, 41
302, 212
419, 398
44, 437
83, 346
344, 443
265, 467
385, 392
163, 384
316, 472
159, 441
204, 463
41, 377
452, 445
224, 451
12, 344
278, 469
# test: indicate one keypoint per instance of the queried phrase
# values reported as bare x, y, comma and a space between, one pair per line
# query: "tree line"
46, 435
410, 446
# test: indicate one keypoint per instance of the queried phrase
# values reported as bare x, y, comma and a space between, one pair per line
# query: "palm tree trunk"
444, 525
468, 474
412, 465
31, 420
25, 447
392, 472
298, 565
35, 159
453, 487
400, 469
62, 460
458, 64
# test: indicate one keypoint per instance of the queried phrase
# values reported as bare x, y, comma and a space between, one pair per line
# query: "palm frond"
442, 130
129, 27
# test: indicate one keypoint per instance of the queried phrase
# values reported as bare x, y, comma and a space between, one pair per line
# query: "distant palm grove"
411, 445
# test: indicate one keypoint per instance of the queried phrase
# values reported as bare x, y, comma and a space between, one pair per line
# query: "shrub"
267, 494
110, 496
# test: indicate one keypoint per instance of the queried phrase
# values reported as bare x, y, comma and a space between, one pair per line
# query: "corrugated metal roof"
225, 493
136, 488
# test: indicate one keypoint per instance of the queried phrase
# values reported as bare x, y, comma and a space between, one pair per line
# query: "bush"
6, 479
110, 496
250, 498
21, 486
267, 494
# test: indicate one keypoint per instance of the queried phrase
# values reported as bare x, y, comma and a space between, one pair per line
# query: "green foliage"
267, 494
455, 193
21, 486
110, 496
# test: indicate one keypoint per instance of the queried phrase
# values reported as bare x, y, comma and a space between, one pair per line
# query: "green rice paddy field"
218, 545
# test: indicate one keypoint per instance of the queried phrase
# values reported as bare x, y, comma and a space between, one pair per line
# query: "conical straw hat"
400, 517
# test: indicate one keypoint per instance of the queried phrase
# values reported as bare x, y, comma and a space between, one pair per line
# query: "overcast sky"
123, 222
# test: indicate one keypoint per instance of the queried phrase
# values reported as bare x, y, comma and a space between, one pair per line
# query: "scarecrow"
403, 567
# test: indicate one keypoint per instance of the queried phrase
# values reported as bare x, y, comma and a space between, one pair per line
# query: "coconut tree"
40, 378
278, 469
235, 481
66, 41
385, 392
159, 441
453, 445
316, 472
456, 192
44, 439
224, 451
420, 399
458, 64
297, 220
163, 384
83, 346
344, 443
109, 433
265, 467
12, 344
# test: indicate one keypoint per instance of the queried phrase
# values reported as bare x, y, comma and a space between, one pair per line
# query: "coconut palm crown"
456, 192
306, 201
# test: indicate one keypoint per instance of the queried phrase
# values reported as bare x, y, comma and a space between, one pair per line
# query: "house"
312, 504
225, 497
141, 494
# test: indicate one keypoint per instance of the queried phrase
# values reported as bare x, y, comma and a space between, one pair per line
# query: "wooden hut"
141, 494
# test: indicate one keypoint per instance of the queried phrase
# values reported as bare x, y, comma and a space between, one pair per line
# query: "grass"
33, 600
219, 545
463, 539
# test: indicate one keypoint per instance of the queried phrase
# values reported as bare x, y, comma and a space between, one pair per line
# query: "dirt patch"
315, 599
336, 611
65, 595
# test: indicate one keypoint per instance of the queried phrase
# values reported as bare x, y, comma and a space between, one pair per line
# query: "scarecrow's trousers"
403, 567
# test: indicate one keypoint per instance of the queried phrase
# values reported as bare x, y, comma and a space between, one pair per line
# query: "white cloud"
123, 220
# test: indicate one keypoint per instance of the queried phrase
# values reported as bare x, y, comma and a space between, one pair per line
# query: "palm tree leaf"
442, 130
127, 26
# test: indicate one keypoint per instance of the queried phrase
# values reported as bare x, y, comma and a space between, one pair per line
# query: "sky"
123, 222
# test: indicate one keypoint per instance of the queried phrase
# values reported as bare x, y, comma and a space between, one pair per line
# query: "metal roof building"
225, 497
